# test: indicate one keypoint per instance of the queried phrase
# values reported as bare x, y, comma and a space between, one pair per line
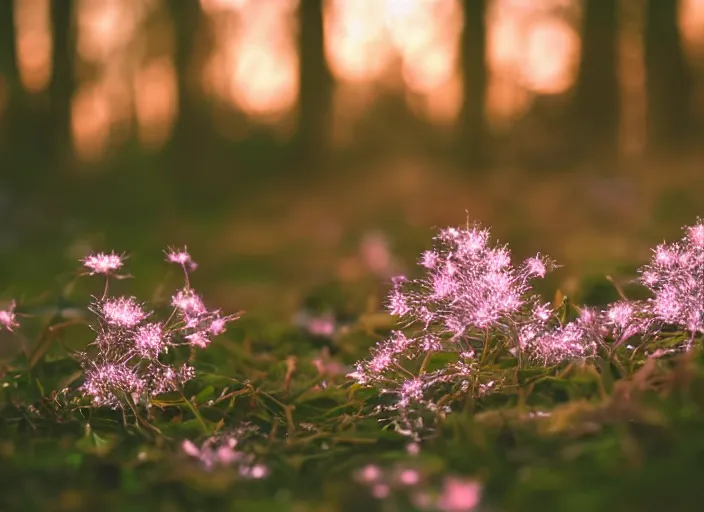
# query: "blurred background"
302, 144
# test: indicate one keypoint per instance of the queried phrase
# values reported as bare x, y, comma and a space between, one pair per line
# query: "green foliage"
580, 437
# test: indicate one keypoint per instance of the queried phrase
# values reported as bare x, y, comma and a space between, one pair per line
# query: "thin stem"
195, 412
404, 370
485, 346
425, 362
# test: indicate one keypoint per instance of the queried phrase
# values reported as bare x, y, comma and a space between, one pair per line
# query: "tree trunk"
62, 82
473, 126
668, 80
9, 82
315, 86
596, 98
190, 132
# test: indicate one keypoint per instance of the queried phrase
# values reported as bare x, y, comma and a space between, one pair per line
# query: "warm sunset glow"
106, 27
33, 43
533, 48
551, 56
155, 102
126, 80
90, 121
121, 77
631, 76
691, 20
357, 46
254, 64
396, 44
442, 105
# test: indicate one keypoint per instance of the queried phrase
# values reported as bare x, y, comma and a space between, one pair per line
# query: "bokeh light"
33, 43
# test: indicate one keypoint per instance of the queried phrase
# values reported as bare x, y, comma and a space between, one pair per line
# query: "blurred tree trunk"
315, 86
8, 72
668, 80
473, 126
190, 127
596, 99
62, 81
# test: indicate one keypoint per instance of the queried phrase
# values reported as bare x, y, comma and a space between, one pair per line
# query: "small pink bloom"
102, 263
217, 326
189, 303
375, 253
322, 326
621, 313
226, 455
198, 339
369, 473
460, 495
122, 312
7, 317
380, 491
665, 256
181, 257
429, 259
413, 448
149, 340
190, 449
536, 266
258, 471
409, 477
696, 234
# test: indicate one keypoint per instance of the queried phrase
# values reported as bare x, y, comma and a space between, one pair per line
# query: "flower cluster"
457, 494
675, 276
127, 362
222, 451
470, 296
473, 307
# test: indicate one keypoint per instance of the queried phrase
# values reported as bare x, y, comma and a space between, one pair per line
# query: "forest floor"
579, 437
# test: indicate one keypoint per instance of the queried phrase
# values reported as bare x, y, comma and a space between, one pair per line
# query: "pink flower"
124, 364
189, 303
369, 473
181, 257
7, 317
221, 450
675, 277
696, 234
102, 263
149, 340
258, 471
217, 325
409, 477
469, 294
375, 253
111, 383
429, 259
198, 339
460, 495
122, 311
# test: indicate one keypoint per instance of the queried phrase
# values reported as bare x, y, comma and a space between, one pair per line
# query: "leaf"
205, 395
97, 445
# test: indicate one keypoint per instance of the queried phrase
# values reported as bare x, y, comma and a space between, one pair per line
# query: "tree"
62, 83
8, 70
473, 127
596, 98
315, 85
191, 125
668, 80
